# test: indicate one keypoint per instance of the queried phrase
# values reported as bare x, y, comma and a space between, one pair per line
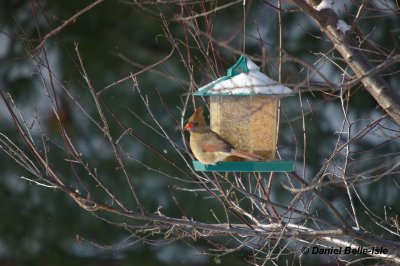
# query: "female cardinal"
207, 146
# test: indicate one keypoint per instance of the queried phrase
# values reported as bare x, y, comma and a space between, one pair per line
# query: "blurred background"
42, 226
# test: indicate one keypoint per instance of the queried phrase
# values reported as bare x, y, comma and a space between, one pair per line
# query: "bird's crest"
196, 120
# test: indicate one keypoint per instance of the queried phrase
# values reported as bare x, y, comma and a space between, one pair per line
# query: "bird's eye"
196, 124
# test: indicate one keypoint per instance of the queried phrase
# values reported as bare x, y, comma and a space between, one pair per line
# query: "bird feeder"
244, 111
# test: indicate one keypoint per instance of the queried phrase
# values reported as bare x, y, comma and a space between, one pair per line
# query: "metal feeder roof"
244, 78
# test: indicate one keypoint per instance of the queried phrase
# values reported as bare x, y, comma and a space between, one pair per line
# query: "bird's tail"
247, 155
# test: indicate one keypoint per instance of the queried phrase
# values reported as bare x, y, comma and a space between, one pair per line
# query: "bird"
207, 146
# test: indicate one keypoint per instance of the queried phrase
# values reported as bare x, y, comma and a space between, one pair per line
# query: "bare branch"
346, 44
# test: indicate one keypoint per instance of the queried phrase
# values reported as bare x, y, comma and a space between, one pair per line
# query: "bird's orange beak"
189, 126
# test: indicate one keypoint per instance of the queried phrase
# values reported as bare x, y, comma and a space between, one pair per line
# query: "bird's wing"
215, 143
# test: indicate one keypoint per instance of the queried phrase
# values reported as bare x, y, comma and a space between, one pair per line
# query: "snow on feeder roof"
244, 78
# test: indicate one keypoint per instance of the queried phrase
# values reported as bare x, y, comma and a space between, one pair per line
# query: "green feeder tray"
266, 166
